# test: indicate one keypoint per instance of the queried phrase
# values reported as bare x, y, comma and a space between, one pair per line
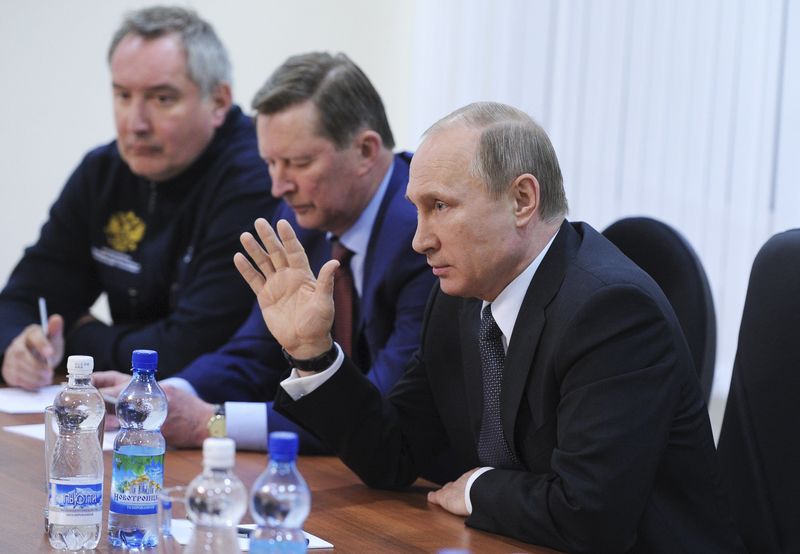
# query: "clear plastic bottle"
216, 500
75, 502
280, 500
138, 468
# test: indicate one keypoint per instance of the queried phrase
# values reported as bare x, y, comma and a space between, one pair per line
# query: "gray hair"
343, 95
511, 144
207, 63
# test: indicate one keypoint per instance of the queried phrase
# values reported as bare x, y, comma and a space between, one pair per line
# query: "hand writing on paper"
297, 308
30, 358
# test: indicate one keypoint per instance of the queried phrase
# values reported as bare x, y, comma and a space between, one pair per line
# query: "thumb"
55, 326
325, 279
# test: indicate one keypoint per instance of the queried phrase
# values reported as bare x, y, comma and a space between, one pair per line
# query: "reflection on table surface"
343, 511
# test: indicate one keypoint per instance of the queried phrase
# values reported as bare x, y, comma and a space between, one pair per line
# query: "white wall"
56, 101
683, 110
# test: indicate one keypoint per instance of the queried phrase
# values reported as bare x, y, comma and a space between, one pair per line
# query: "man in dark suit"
551, 364
324, 134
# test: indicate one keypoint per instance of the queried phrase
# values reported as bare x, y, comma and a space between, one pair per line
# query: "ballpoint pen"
43, 314
245, 532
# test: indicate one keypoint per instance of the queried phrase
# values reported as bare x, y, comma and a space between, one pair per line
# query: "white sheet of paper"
20, 401
36, 431
182, 531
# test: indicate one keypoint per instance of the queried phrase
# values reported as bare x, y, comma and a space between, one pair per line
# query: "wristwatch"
216, 424
320, 363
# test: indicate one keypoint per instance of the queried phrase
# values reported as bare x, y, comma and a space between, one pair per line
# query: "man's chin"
307, 219
151, 172
452, 288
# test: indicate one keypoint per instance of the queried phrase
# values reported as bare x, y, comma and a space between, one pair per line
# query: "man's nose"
138, 117
423, 241
282, 180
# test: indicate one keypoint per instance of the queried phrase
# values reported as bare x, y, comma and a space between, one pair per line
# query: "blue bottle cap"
283, 446
144, 359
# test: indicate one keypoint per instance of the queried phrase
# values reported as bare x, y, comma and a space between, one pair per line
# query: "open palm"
296, 306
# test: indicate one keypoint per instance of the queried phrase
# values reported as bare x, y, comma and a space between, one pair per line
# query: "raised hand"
296, 306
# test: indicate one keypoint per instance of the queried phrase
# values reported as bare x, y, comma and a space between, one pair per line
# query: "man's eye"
439, 205
165, 99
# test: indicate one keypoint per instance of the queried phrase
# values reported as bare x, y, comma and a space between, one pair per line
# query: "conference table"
344, 512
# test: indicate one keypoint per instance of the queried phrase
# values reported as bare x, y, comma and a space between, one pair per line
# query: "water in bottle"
138, 469
75, 504
280, 500
215, 501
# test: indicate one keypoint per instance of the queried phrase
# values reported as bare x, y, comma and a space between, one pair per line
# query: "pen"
247, 531
43, 314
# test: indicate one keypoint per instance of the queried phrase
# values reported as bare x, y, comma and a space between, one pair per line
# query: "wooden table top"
343, 511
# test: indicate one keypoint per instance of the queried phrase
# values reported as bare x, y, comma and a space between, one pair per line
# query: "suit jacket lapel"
530, 323
383, 236
469, 321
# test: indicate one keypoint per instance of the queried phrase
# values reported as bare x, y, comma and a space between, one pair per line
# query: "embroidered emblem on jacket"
124, 231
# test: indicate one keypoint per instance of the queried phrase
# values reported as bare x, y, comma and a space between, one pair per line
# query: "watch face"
216, 426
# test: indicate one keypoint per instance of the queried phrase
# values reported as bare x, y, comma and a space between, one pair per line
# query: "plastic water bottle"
75, 502
280, 500
138, 469
216, 500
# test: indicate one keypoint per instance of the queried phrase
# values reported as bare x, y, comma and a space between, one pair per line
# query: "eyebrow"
156, 88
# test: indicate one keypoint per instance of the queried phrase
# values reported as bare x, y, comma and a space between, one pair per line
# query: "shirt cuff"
246, 424
470, 481
179, 383
297, 387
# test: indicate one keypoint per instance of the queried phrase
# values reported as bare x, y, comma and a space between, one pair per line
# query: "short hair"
343, 95
511, 143
207, 63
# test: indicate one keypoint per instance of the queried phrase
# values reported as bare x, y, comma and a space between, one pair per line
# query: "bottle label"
75, 502
135, 483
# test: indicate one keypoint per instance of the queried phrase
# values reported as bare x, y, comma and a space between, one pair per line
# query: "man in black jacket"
150, 219
551, 365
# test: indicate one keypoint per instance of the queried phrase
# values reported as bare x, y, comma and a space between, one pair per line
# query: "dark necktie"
493, 449
343, 296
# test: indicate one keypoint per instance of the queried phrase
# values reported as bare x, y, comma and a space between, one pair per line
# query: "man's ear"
525, 195
368, 145
222, 100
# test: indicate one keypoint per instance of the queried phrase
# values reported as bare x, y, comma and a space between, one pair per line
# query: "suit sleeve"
621, 384
211, 302
247, 368
388, 443
397, 316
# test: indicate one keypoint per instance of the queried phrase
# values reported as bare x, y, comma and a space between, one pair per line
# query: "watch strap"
320, 363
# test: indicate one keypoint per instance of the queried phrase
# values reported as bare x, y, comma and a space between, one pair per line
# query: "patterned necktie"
493, 449
343, 295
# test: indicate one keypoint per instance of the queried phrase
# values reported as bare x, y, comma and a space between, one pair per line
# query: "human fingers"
111, 422
38, 344
275, 248
30, 379
55, 327
325, 278
251, 276
55, 333
109, 379
295, 253
435, 497
22, 368
262, 260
